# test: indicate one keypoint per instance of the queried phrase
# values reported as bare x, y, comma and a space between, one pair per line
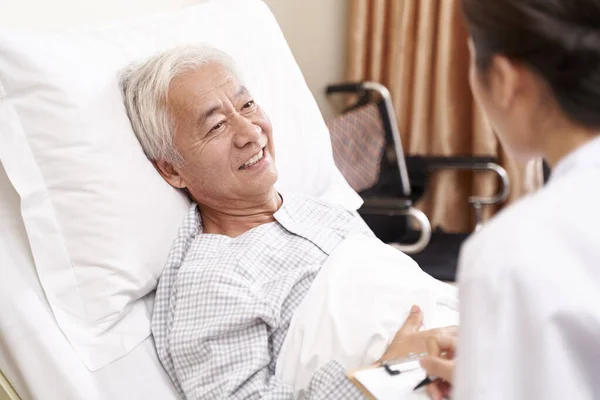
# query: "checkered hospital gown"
224, 305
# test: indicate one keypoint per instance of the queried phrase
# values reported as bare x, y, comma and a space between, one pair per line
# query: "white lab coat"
529, 288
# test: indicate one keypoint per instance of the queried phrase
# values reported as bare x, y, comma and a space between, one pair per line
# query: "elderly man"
245, 256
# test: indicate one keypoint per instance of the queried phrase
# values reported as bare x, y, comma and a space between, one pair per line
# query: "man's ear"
170, 174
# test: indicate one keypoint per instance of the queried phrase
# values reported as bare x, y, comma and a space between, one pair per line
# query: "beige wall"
316, 33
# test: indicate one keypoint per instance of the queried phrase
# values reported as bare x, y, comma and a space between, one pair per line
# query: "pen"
424, 382
428, 379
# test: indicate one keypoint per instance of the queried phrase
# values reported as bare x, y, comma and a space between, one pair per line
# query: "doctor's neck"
564, 139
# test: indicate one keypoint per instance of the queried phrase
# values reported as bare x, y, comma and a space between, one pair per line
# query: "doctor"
530, 280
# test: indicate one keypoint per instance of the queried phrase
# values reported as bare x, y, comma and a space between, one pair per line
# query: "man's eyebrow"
207, 114
241, 91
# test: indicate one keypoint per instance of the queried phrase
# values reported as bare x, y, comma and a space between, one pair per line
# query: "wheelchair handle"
349, 87
409, 212
474, 164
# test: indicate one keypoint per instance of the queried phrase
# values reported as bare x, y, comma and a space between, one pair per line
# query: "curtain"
418, 50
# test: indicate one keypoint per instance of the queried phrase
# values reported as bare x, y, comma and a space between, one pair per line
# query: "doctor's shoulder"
517, 235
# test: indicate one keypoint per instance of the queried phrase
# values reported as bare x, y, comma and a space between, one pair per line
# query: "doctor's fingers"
438, 367
412, 324
439, 390
441, 346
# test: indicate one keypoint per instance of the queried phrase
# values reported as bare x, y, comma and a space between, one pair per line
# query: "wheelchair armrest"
396, 206
456, 162
389, 206
472, 164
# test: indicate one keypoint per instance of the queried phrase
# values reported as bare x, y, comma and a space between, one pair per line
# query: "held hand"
440, 363
409, 339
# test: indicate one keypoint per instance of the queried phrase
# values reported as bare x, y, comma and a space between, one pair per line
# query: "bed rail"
6, 390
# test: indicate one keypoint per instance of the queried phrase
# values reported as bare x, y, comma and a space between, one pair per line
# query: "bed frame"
6, 390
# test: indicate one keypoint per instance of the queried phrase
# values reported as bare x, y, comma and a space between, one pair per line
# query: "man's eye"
217, 126
249, 104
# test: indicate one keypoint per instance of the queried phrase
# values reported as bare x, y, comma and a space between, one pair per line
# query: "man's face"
223, 136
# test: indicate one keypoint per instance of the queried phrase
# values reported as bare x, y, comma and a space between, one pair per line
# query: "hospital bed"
46, 348
51, 347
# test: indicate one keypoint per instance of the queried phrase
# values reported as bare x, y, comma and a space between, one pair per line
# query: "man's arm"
219, 343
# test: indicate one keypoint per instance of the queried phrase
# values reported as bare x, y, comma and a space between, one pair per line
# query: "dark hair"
557, 39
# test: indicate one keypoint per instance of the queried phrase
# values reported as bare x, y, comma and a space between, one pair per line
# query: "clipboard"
391, 380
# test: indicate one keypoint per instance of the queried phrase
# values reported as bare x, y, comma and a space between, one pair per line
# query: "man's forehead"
205, 81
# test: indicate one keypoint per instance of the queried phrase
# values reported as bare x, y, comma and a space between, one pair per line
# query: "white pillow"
100, 220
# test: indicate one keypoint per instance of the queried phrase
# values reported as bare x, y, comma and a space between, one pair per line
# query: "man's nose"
246, 132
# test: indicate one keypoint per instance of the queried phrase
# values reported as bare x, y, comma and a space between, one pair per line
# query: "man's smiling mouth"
256, 158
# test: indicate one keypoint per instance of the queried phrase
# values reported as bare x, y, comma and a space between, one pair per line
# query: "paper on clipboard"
378, 384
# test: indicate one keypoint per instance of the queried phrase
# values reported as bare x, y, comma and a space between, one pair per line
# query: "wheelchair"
399, 181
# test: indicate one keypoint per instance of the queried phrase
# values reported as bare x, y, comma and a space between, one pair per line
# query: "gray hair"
145, 89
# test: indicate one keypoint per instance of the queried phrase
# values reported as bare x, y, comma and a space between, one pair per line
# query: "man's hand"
440, 363
409, 339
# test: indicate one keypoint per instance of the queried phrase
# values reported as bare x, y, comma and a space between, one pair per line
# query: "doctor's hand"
440, 363
410, 339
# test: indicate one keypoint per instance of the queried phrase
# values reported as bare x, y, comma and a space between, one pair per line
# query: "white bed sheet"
34, 354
